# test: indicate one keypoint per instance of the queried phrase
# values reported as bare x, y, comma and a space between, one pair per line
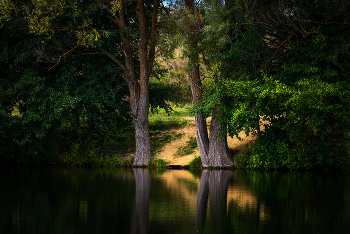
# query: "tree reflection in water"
143, 186
213, 183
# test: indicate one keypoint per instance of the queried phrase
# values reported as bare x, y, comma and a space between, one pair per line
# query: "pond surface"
77, 200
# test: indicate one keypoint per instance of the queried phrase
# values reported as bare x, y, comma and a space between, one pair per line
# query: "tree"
67, 108
47, 113
133, 40
138, 88
214, 151
290, 63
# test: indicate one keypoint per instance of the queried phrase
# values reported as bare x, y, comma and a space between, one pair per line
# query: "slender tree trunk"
139, 105
202, 138
214, 152
201, 124
194, 24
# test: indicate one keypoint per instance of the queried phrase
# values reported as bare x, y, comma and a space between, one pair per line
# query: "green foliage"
288, 140
177, 110
71, 104
115, 161
166, 86
162, 123
242, 160
195, 163
297, 102
75, 157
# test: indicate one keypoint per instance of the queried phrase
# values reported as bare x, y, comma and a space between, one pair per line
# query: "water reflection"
143, 187
77, 200
213, 184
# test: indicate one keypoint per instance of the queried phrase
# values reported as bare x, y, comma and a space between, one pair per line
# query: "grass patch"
160, 130
189, 148
159, 124
177, 110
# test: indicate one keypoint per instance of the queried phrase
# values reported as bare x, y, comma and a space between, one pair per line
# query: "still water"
77, 200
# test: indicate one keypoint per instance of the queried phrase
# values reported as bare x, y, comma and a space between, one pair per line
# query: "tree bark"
219, 153
143, 141
200, 121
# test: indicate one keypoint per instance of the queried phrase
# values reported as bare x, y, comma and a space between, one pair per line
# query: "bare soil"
168, 151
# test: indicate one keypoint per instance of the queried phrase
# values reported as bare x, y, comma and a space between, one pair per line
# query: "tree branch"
63, 55
114, 59
115, 18
276, 52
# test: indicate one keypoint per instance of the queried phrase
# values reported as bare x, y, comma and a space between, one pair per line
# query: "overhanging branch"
276, 52
113, 58
63, 55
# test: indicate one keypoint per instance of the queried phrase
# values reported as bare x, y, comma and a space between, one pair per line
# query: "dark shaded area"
76, 200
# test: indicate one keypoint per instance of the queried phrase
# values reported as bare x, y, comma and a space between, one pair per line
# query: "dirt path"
168, 151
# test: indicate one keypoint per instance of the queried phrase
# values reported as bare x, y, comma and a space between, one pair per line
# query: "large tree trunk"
219, 153
143, 141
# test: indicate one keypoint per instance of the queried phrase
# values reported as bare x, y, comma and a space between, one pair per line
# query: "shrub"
157, 162
242, 160
196, 162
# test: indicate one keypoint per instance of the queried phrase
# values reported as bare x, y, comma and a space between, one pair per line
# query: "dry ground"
168, 151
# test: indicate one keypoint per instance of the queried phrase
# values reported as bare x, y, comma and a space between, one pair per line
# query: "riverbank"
174, 152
